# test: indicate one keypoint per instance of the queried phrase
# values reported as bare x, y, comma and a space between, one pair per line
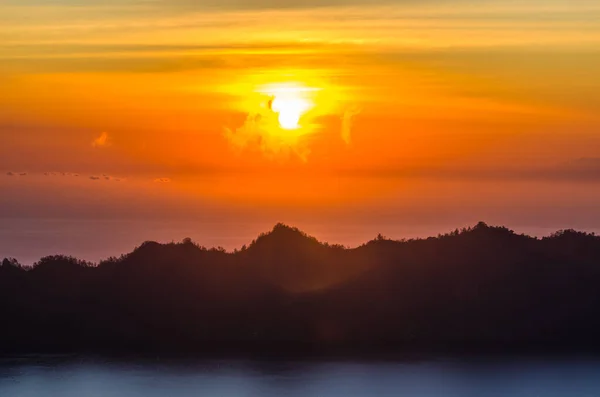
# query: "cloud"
111, 178
52, 174
261, 131
63, 174
263, 4
587, 162
75, 63
66, 50
264, 128
103, 177
101, 141
583, 170
347, 118
162, 180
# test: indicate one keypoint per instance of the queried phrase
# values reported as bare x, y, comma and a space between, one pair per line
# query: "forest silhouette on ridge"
477, 288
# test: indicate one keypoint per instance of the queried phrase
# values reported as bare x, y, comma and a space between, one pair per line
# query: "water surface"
91, 377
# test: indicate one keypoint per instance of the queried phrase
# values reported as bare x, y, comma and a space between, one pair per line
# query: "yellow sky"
404, 105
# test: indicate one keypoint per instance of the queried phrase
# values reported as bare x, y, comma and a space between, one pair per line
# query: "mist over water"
89, 377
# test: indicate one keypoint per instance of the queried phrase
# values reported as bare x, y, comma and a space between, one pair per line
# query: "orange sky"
420, 113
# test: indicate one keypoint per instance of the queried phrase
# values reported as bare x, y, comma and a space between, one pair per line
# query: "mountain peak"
284, 237
283, 228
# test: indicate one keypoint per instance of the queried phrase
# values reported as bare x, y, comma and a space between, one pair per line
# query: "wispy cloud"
101, 141
63, 174
347, 119
54, 174
262, 131
105, 177
399, 22
162, 180
577, 170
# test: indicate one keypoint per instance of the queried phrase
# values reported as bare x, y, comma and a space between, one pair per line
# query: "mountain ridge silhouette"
477, 288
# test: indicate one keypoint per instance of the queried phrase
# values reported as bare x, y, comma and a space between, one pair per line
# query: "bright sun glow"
289, 109
289, 101
283, 109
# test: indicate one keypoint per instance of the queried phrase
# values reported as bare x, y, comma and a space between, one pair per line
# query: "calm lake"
86, 377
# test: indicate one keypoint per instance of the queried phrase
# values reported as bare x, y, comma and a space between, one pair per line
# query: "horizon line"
281, 225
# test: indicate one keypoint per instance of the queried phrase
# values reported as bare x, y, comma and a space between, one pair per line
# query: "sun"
289, 109
285, 110
289, 101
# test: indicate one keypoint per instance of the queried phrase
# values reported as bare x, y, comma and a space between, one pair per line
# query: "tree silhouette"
475, 288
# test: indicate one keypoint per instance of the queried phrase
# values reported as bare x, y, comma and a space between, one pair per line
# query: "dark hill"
478, 288
289, 258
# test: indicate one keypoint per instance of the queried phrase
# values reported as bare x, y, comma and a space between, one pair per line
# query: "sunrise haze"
124, 121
